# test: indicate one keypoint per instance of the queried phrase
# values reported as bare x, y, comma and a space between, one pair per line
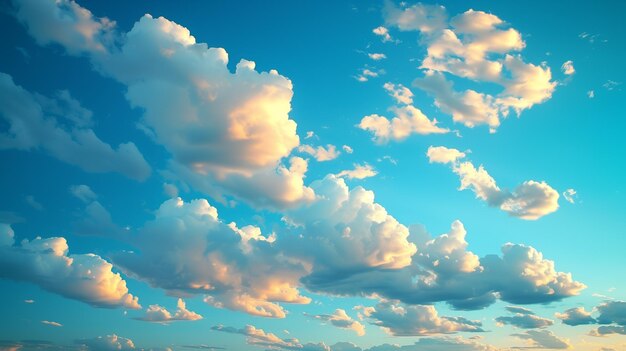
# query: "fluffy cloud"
524, 318
477, 46
408, 120
442, 269
107, 343
186, 249
45, 262
530, 200
225, 130
156, 313
400, 93
320, 153
404, 320
340, 319
36, 122
359, 172
612, 312
575, 316
543, 339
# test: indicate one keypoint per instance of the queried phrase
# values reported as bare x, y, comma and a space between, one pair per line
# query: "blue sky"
312, 176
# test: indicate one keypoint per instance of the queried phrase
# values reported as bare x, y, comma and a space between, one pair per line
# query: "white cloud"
570, 195
383, 33
33, 125
54, 324
347, 149
408, 120
377, 56
156, 313
591, 94
568, 67
235, 267
530, 200
416, 320
400, 93
107, 343
321, 153
477, 46
359, 172
83, 277
340, 319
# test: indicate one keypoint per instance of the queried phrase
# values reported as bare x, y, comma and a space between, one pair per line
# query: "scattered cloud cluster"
159, 314
530, 200
476, 46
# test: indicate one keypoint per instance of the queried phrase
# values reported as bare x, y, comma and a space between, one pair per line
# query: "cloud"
591, 94
442, 154
33, 125
383, 33
83, 193
66, 23
570, 195
477, 46
54, 324
575, 316
523, 318
236, 129
107, 343
416, 320
442, 269
543, 339
320, 153
408, 120
377, 56
568, 67
340, 319
46, 263
530, 200
612, 312
32, 202
359, 172
347, 149
608, 330
156, 313
235, 267
258, 337
400, 93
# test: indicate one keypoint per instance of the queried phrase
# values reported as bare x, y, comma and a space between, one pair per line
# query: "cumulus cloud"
235, 267
340, 319
377, 56
400, 93
416, 320
159, 314
225, 130
34, 124
107, 343
46, 263
543, 339
359, 172
321, 153
575, 316
530, 200
568, 67
476, 46
523, 318
408, 120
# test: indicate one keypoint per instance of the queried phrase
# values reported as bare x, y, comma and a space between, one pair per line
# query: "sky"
299, 175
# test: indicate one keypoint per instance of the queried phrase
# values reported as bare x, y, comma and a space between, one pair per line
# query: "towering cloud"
46, 263
530, 200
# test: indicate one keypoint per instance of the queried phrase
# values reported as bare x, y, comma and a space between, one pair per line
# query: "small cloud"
377, 56
383, 33
30, 200
29, 301
570, 195
568, 67
359, 172
54, 324
611, 85
309, 134
347, 149
591, 94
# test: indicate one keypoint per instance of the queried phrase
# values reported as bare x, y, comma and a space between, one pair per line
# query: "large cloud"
186, 249
37, 122
45, 262
226, 131
530, 200
403, 320
479, 47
